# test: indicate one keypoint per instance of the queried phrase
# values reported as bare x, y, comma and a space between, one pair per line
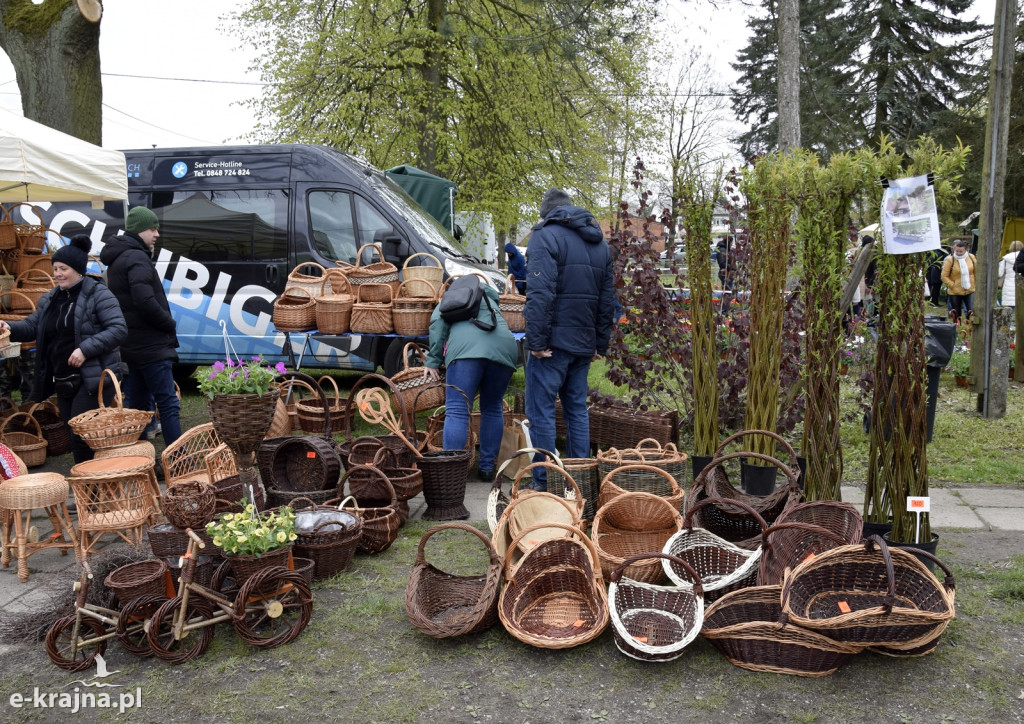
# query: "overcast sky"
172, 75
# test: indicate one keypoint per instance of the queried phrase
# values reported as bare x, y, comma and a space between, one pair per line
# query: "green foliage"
251, 533
235, 377
503, 99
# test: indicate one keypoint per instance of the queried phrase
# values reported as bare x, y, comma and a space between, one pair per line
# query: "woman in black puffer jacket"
78, 327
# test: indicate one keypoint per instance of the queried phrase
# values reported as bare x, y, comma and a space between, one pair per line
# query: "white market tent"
38, 163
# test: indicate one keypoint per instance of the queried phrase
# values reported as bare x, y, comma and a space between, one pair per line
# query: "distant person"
1007, 278
516, 266
933, 275
152, 345
480, 356
726, 264
77, 327
958, 276
568, 321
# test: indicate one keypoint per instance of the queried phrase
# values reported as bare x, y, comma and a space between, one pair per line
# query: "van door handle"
271, 275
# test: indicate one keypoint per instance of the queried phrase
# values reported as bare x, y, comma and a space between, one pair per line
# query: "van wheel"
392, 359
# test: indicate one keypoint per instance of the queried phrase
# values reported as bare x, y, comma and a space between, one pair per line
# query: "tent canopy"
38, 163
429, 191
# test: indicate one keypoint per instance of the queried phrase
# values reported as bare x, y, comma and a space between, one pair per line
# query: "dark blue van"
235, 220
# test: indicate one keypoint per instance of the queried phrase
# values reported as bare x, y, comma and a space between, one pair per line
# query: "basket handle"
423, 253
405, 353
359, 254
3, 425
949, 582
291, 503
645, 468
305, 264
24, 296
401, 286
334, 384
311, 383
320, 525
792, 472
648, 443
421, 557
698, 586
775, 436
297, 289
117, 389
655, 499
525, 451
332, 275
28, 273
379, 458
595, 560
577, 495
688, 519
373, 469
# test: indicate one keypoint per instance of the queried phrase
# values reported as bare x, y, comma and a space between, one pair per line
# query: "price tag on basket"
918, 505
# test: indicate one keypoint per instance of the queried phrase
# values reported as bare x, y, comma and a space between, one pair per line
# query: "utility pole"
984, 359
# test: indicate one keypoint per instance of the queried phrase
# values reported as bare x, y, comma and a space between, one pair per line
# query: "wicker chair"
197, 456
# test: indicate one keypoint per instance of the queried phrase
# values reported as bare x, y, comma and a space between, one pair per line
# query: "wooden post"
789, 74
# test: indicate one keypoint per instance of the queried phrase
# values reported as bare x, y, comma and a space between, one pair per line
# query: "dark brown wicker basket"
330, 545
142, 578
242, 421
443, 604
305, 567
407, 482
230, 492
297, 500
205, 566
380, 526
190, 504
54, 431
245, 566
445, 473
305, 464
787, 544
167, 541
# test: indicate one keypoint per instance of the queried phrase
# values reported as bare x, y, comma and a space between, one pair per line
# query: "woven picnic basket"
368, 316
511, 304
334, 309
418, 393
444, 604
647, 451
31, 448
653, 622
107, 427
744, 626
722, 566
411, 313
641, 478
425, 279
295, 310
806, 530
871, 595
379, 272
633, 523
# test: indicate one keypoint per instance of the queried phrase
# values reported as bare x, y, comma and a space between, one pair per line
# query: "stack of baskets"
334, 309
295, 310
410, 312
22, 245
512, 305
311, 413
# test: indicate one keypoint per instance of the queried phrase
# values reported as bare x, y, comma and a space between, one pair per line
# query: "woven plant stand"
442, 604
444, 483
241, 422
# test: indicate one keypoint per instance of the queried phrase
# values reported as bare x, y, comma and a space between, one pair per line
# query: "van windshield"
425, 224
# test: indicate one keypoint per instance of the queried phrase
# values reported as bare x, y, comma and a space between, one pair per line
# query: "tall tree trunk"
789, 74
432, 75
56, 57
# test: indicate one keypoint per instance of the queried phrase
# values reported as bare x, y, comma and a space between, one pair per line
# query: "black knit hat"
75, 254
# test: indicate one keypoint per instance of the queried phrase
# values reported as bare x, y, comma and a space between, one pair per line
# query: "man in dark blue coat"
569, 304
516, 266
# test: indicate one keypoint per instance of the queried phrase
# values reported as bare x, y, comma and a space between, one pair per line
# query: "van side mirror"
394, 246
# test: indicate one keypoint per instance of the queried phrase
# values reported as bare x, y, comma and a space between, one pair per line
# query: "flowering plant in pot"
251, 533
960, 361
237, 377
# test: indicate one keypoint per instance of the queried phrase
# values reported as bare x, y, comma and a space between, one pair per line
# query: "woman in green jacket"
480, 356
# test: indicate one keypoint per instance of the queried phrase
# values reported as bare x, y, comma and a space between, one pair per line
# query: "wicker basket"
331, 545
381, 272
110, 426
641, 478
313, 412
630, 524
142, 578
585, 474
380, 523
30, 448
425, 279
411, 383
8, 234
497, 500
411, 314
167, 541
744, 626
805, 530
870, 595
31, 237
295, 311
190, 504
722, 566
532, 510
511, 304
58, 437
555, 598
18, 305
371, 317
231, 491
442, 604
647, 452
305, 464
334, 310
444, 483
652, 622
312, 284
245, 567
34, 283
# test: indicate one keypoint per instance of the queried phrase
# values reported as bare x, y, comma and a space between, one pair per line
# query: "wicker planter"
242, 421
444, 483
244, 566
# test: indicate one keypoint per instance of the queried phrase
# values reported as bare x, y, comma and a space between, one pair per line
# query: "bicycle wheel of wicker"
442, 604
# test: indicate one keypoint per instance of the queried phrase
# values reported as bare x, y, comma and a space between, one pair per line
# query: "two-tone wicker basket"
295, 310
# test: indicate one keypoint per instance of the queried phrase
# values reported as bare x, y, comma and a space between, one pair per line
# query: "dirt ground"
360, 660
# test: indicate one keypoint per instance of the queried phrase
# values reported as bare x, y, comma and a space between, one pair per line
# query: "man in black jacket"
151, 347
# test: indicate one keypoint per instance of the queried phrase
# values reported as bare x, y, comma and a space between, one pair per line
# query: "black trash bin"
939, 340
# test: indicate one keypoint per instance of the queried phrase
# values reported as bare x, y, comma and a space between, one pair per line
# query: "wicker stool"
19, 497
114, 495
142, 447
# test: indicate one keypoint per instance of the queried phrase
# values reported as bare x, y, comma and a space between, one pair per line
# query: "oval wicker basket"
425, 279
380, 272
334, 310
512, 305
30, 448
295, 311
411, 313
312, 284
190, 504
58, 437
107, 427
634, 523
313, 412
371, 317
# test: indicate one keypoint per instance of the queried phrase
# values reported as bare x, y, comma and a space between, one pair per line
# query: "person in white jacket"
1007, 279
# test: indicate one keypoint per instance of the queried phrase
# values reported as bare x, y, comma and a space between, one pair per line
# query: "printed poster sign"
910, 219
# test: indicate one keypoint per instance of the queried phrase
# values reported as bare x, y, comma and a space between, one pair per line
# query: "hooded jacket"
569, 297
133, 279
516, 262
99, 329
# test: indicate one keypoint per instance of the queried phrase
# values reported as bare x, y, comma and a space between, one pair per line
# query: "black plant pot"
758, 479
912, 548
802, 462
871, 528
699, 462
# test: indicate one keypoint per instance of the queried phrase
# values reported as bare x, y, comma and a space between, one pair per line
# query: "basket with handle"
334, 309
647, 451
498, 500
641, 478
313, 284
634, 523
418, 393
585, 474
31, 448
295, 311
425, 279
190, 504
555, 597
8, 234
870, 595
107, 427
511, 304
532, 510
443, 604
379, 272
31, 237
371, 317
722, 566
18, 305
312, 411
411, 314
804, 530
380, 522
719, 481
744, 627
33, 262
331, 543
652, 622
34, 283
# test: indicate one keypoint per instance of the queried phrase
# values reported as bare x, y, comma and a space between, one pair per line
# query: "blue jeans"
471, 376
563, 375
155, 381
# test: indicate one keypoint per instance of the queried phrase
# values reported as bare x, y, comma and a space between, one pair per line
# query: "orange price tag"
809, 556
843, 606
578, 623
310, 454
641, 639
